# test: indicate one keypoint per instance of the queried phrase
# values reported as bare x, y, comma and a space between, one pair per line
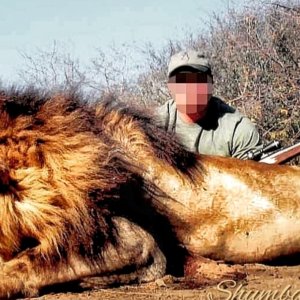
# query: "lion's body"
75, 177
223, 208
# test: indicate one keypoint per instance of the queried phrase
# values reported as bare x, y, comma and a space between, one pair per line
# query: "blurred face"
191, 92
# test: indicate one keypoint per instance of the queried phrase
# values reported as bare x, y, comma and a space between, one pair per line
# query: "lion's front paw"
10, 286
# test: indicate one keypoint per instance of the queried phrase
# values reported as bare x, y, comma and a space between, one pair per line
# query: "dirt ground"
262, 283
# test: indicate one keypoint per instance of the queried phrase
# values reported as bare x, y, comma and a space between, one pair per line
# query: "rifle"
283, 155
277, 155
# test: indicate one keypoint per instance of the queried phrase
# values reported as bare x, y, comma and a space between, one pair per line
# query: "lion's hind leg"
200, 271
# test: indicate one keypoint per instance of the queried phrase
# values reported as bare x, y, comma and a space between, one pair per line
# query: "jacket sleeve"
245, 138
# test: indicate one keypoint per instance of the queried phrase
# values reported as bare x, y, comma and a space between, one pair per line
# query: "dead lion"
71, 175
219, 208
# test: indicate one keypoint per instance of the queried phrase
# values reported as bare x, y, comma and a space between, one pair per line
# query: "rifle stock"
282, 155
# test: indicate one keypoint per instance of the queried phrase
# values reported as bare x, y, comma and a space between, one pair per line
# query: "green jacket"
223, 131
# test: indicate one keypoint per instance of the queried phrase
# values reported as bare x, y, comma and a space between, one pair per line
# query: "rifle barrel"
283, 155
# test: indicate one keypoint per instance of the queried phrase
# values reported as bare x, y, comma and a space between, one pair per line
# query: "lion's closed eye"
40, 141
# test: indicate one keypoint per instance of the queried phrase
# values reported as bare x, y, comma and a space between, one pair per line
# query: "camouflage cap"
192, 59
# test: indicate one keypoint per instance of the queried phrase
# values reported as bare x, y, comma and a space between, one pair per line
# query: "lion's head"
49, 163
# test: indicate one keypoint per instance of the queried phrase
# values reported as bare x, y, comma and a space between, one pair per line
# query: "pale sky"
26, 25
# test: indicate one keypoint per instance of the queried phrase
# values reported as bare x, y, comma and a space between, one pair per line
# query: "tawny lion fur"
78, 181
